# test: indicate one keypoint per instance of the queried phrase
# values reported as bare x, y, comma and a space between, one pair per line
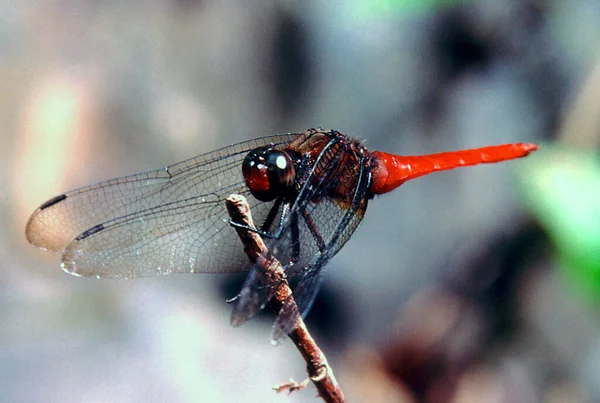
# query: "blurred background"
474, 285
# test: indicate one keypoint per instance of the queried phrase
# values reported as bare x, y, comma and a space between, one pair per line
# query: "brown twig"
272, 274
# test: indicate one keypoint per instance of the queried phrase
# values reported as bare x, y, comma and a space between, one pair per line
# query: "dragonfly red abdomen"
390, 171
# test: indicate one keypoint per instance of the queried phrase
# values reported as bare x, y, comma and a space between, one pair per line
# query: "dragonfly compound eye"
268, 173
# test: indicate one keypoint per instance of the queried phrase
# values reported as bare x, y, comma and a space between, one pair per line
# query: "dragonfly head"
268, 172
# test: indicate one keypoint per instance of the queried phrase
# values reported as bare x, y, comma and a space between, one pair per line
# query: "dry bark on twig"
272, 274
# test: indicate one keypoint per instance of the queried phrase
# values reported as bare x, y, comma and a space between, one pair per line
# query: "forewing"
158, 222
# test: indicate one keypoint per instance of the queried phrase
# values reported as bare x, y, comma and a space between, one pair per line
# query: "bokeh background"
474, 285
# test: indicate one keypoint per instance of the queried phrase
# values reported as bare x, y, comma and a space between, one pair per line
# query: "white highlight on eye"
281, 162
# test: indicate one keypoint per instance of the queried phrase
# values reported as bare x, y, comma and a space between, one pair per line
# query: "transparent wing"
159, 222
336, 223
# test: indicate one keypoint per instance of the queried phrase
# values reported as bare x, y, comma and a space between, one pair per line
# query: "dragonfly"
308, 193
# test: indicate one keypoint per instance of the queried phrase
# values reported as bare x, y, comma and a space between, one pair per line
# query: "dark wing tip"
90, 232
53, 201
40, 229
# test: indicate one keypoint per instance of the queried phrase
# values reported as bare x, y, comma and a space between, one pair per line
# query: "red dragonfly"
307, 191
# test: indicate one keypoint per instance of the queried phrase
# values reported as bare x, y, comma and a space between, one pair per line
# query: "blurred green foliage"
378, 8
561, 188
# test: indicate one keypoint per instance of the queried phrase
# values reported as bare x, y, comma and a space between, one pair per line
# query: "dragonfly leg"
312, 226
264, 230
232, 300
272, 214
249, 228
295, 228
284, 213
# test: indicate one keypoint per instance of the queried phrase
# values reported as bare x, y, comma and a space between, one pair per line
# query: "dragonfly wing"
309, 277
185, 236
304, 295
158, 222
252, 299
